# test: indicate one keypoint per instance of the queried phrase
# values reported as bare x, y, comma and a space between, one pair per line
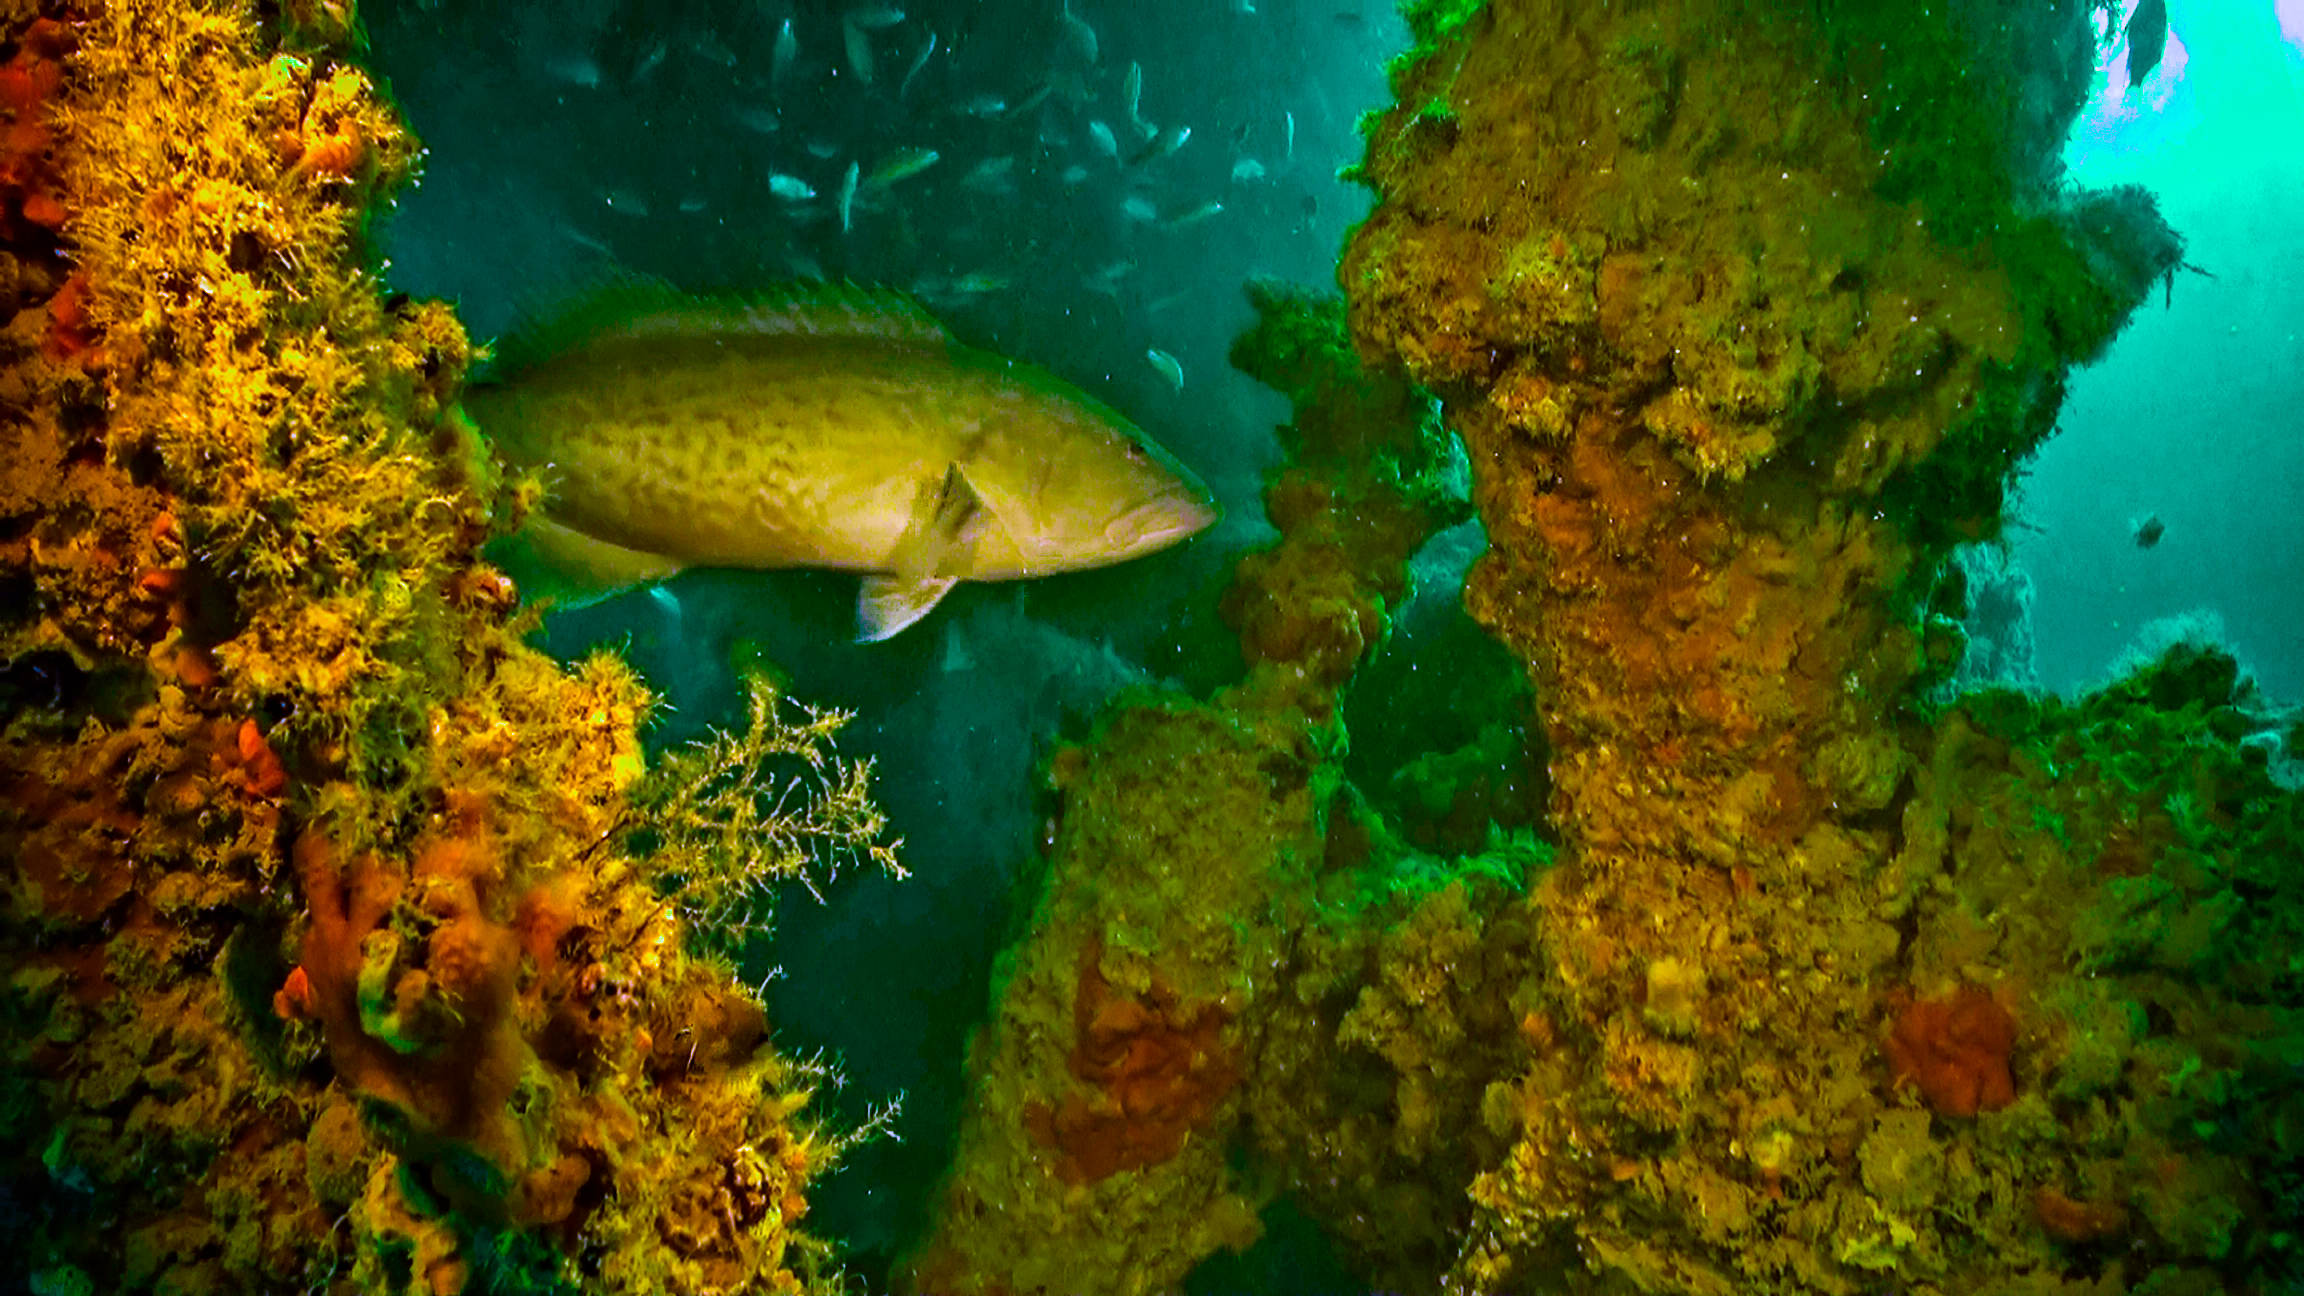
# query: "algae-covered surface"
1690, 919
336, 958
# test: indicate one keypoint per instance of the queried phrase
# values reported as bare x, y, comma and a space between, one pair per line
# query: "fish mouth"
1162, 521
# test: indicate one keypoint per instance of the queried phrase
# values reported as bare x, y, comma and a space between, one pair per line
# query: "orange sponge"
1956, 1050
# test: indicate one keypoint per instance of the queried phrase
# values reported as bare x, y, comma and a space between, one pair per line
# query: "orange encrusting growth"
1955, 1050
279, 712
421, 1022
1155, 1070
30, 193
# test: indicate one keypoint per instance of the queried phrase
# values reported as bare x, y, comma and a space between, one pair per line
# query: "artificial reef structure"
1817, 976
1682, 933
351, 944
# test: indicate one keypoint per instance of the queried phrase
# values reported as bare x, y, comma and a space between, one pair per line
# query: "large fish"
818, 427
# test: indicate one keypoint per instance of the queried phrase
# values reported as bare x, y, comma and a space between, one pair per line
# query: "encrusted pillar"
1743, 322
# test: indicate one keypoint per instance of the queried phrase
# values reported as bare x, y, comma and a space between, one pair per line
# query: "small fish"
827, 428
1136, 207
1247, 170
1033, 100
1168, 367
990, 176
649, 62
874, 17
711, 49
1131, 96
753, 118
1288, 119
790, 188
691, 205
1074, 176
624, 202
1107, 143
1078, 34
1163, 145
787, 53
956, 654
847, 200
919, 61
2147, 39
1195, 215
903, 164
978, 282
821, 149
982, 105
858, 43
668, 607
2147, 530
584, 240
575, 69
1106, 279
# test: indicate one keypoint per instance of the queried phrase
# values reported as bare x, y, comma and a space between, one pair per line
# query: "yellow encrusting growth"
324, 875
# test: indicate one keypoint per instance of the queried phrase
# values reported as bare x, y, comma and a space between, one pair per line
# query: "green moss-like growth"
1431, 22
2136, 861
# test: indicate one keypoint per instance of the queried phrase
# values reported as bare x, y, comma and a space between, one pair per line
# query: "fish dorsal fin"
625, 306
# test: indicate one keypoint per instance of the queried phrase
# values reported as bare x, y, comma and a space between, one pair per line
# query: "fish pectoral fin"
552, 560
946, 524
887, 603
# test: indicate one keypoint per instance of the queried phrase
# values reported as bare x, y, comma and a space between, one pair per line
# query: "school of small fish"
896, 147
1078, 117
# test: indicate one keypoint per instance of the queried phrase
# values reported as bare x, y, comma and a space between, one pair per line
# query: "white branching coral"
730, 817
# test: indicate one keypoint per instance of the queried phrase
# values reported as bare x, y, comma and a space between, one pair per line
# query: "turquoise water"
2196, 415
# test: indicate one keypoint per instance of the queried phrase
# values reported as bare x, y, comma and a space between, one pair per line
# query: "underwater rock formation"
337, 957
1132, 1036
1745, 312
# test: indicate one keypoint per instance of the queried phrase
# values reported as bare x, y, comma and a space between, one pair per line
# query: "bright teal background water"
2197, 412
